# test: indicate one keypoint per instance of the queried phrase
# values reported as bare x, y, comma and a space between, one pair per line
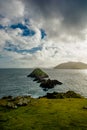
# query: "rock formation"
48, 84
69, 94
40, 76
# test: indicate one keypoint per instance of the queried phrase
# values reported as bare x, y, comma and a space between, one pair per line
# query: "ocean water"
16, 83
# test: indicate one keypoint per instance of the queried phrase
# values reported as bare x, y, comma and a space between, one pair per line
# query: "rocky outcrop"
39, 79
22, 101
16, 102
69, 94
11, 105
8, 97
48, 84
38, 74
72, 94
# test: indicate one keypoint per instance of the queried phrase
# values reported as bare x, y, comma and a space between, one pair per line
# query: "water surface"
15, 82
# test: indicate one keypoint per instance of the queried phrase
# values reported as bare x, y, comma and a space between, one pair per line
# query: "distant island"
71, 65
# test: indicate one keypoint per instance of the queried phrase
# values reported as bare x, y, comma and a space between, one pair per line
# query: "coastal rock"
39, 79
11, 105
69, 94
22, 102
38, 74
8, 97
54, 95
72, 94
16, 102
49, 84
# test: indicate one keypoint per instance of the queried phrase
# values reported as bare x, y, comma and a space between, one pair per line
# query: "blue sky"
14, 48
24, 28
42, 33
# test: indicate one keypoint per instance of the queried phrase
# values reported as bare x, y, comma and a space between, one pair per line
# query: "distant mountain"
72, 65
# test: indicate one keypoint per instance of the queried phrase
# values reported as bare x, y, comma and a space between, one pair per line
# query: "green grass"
45, 114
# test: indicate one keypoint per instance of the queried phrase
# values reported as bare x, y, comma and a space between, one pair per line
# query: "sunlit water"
15, 82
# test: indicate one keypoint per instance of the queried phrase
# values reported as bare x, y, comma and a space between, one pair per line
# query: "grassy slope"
46, 114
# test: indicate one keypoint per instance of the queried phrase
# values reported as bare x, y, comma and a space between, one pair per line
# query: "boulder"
11, 105
22, 102
7, 97
48, 84
16, 102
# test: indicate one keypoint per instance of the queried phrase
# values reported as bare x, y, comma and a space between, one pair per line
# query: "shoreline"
15, 102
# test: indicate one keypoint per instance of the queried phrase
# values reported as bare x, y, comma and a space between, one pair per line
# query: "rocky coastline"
45, 83
15, 102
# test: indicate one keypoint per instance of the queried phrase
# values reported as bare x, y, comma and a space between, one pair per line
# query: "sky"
42, 33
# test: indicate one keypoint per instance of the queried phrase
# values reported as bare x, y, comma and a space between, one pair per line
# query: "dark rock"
39, 79
49, 83
54, 95
36, 79
39, 76
85, 107
7, 97
69, 94
55, 82
72, 94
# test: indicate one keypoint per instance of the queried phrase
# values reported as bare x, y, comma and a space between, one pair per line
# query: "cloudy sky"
42, 33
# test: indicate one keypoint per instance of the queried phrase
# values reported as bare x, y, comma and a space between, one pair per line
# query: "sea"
14, 82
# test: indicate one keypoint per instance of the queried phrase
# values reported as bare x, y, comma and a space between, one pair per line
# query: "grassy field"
45, 114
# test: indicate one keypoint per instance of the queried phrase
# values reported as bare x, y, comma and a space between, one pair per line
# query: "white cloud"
11, 8
4, 21
61, 44
53, 52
